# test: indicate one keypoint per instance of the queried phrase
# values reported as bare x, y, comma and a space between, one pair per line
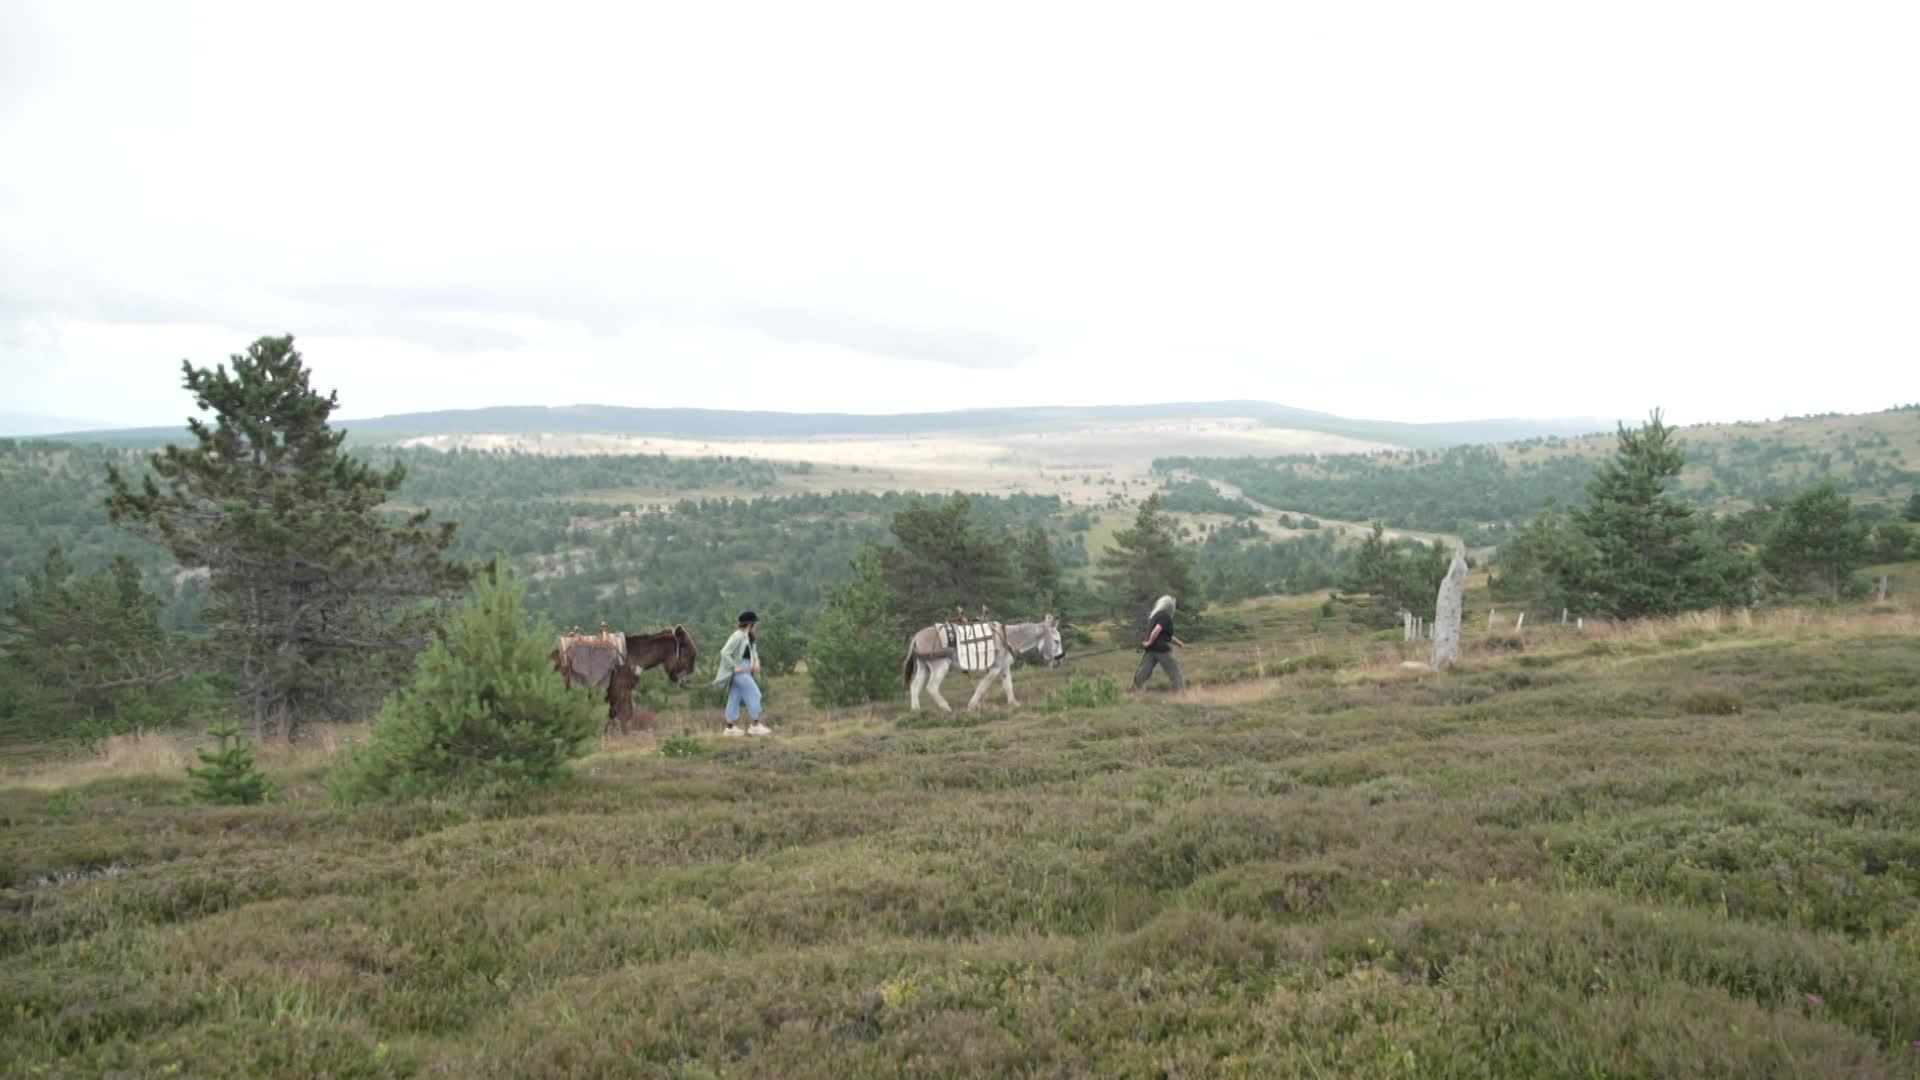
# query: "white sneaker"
731, 730
759, 729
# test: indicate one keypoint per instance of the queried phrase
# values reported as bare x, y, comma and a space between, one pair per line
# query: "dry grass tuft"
168, 753
144, 753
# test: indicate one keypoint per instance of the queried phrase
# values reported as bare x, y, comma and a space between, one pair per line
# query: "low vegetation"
1683, 847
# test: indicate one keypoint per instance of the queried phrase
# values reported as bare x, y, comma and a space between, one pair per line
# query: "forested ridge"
1484, 492
604, 536
645, 538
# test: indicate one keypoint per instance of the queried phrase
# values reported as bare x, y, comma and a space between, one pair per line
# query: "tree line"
1633, 548
1485, 493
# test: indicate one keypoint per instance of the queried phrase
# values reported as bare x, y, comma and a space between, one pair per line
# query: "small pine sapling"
227, 776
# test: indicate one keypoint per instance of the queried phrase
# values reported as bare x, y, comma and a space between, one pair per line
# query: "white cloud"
1405, 211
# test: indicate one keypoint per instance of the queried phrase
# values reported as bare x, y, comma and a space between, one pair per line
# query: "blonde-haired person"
1157, 650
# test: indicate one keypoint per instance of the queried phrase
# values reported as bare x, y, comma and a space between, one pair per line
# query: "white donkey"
929, 658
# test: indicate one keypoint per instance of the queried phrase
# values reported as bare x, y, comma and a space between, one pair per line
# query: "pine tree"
857, 644
1398, 575
484, 706
1039, 571
947, 562
316, 596
1816, 539
84, 655
227, 776
1527, 561
1145, 562
1911, 511
1640, 551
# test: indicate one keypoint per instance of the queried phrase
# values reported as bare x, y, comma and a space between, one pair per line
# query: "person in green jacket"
739, 663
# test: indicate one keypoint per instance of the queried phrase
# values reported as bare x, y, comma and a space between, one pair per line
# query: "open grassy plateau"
1675, 849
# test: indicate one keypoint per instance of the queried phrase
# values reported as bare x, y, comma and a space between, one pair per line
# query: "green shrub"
682, 746
1710, 703
227, 776
1082, 693
484, 707
1315, 662
853, 654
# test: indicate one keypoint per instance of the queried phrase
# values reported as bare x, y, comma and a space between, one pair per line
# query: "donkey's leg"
1006, 680
914, 684
934, 679
981, 690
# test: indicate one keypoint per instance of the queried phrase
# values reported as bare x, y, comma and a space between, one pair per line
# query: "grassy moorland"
1678, 849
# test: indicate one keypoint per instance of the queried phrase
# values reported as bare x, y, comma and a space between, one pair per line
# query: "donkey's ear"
1049, 618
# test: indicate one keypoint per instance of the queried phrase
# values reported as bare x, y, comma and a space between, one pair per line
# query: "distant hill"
727, 424
18, 423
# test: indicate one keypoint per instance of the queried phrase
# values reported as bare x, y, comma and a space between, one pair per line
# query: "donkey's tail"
906, 669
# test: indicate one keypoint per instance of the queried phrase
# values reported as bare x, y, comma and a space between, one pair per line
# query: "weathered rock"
1447, 610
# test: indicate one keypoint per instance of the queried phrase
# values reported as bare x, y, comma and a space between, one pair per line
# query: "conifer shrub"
853, 654
1081, 693
484, 707
226, 776
681, 746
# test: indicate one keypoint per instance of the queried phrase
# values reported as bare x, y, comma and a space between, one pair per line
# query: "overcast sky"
1398, 210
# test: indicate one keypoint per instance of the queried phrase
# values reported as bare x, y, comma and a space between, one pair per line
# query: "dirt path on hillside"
1354, 528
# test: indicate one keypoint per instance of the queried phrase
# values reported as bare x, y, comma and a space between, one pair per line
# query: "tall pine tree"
1039, 570
1145, 562
948, 563
1640, 551
316, 595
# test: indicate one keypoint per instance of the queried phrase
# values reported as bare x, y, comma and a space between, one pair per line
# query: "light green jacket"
732, 655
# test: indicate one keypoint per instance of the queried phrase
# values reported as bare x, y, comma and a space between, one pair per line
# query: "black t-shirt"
1163, 643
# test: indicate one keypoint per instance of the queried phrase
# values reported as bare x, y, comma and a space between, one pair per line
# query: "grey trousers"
1163, 659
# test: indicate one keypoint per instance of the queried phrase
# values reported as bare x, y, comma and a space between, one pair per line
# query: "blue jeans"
742, 688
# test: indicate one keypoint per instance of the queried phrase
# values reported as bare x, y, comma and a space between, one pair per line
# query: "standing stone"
1447, 610
1520, 623
1580, 625
1884, 587
1407, 617
1492, 614
1563, 616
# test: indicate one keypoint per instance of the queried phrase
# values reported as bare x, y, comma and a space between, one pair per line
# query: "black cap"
747, 617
